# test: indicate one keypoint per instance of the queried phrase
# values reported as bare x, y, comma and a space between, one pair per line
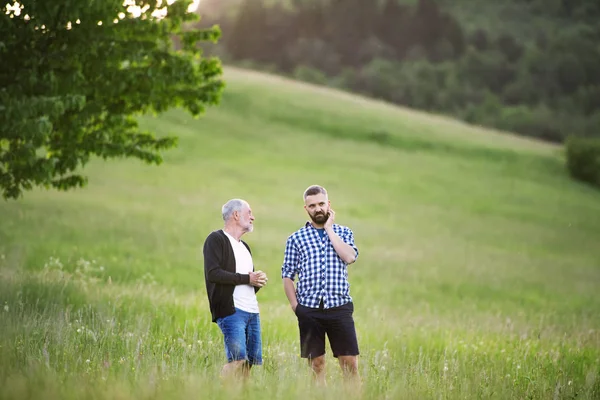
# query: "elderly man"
231, 285
319, 254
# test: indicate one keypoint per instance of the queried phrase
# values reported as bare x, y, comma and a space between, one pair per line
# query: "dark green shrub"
539, 122
583, 158
310, 75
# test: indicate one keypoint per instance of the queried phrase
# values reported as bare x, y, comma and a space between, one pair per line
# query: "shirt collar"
230, 237
308, 224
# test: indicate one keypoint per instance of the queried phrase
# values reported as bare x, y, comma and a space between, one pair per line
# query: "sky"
130, 9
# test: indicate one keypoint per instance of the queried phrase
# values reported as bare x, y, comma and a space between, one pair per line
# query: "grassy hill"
477, 278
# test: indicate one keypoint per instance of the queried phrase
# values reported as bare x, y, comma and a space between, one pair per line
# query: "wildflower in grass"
6, 307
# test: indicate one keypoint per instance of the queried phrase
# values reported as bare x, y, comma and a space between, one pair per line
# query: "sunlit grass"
147, 341
477, 278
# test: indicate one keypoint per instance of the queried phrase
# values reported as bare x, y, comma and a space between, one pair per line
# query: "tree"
479, 40
394, 27
428, 23
488, 69
349, 23
510, 47
73, 76
246, 41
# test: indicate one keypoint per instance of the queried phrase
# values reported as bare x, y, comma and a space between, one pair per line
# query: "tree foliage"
74, 74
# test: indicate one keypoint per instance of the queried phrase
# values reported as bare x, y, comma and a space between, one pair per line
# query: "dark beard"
320, 218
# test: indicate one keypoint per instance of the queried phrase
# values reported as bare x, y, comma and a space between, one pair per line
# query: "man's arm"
290, 292
213, 266
288, 272
260, 275
345, 251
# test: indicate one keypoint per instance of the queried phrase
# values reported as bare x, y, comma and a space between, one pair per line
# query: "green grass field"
478, 273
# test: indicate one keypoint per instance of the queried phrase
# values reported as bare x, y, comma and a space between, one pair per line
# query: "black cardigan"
220, 275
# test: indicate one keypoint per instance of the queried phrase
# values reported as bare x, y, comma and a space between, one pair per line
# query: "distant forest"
527, 66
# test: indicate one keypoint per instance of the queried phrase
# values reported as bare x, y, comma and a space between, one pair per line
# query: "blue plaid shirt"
322, 274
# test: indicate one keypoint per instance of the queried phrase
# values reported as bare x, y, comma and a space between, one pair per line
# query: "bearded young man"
319, 254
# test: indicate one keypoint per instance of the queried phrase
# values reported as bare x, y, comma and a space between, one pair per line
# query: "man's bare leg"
236, 369
349, 365
246, 370
318, 366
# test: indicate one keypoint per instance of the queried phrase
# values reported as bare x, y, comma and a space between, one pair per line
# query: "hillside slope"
478, 256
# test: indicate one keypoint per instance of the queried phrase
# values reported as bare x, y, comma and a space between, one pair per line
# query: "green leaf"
69, 94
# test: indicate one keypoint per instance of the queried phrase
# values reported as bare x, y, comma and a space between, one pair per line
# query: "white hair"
231, 206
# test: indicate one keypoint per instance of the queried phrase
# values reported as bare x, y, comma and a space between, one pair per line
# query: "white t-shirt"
244, 296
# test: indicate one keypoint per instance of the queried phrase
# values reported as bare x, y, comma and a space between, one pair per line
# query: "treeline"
420, 56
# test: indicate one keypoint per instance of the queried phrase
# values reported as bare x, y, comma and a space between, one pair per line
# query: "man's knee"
318, 363
349, 364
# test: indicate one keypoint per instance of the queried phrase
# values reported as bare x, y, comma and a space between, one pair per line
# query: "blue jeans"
241, 334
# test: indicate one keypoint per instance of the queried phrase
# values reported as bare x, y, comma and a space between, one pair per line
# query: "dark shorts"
337, 323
